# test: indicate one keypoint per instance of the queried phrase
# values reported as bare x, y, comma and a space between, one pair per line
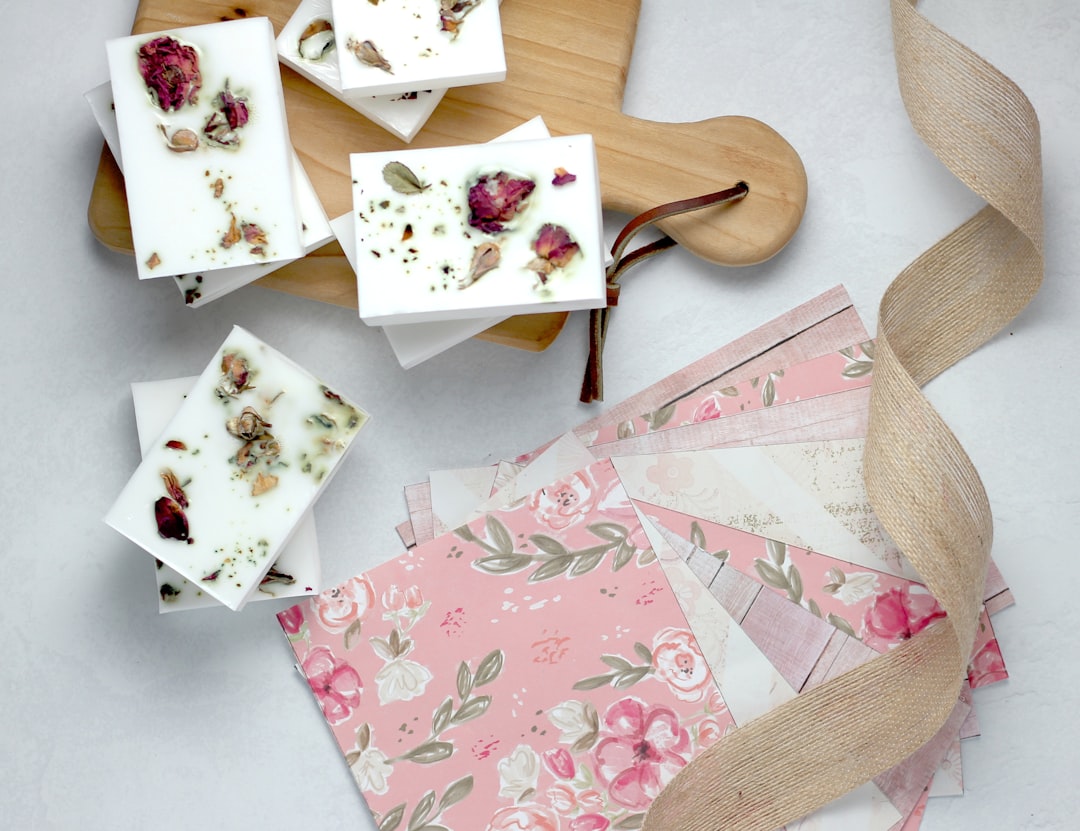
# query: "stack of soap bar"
295, 573
480, 230
206, 148
306, 45
222, 489
396, 46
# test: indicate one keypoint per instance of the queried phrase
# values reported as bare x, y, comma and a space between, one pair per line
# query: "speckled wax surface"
417, 252
295, 573
206, 158
316, 58
224, 486
402, 45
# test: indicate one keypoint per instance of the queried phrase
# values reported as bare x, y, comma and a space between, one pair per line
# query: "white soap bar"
199, 289
206, 149
480, 230
297, 570
404, 45
221, 491
307, 46
414, 343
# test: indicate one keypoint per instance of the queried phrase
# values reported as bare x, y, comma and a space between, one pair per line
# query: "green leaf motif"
549, 545
623, 555
352, 633
647, 556
848, 352
768, 392
722, 555
473, 708
422, 810
841, 624
630, 677
430, 752
630, 823
625, 430
586, 742
490, 667
795, 587
659, 418
593, 683
616, 662
777, 551
857, 369
815, 609
465, 532
363, 736
587, 561
643, 652
610, 531
393, 818
500, 536
697, 536
868, 349
499, 564
464, 681
441, 718
552, 568
456, 792
770, 575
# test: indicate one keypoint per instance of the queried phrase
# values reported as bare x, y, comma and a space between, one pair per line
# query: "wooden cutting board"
567, 60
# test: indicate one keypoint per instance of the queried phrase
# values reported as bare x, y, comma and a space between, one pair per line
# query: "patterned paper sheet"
511, 702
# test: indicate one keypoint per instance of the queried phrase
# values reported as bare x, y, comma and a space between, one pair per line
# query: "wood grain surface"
567, 60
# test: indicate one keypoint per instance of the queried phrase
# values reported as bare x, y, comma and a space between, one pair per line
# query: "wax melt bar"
306, 45
199, 289
224, 486
205, 144
396, 46
295, 573
462, 232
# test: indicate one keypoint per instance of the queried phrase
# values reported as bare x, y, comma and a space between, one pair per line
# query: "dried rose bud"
170, 70
316, 40
171, 522
563, 177
485, 257
234, 374
249, 425
554, 249
497, 199
173, 488
368, 53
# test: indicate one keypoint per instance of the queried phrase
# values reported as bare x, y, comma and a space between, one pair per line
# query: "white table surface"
112, 716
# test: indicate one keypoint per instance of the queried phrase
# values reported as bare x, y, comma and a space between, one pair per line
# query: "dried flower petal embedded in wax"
367, 53
452, 14
173, 488
496, 199
168, 593
554, 249
218, 187
172, 524
253, 234
563, 177
153, 261
235, 375
170, 70
175, 444
233, 235
249, 425
263, 482
485, 258
402, 179
181, 141
316, 40
231, 114
275, 576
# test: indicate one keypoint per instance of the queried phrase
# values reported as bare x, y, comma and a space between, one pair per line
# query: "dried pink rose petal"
485, 258
563, 177
171, 522
555, 245
170, 70
496, 199
231, 114
173, 488
253, 234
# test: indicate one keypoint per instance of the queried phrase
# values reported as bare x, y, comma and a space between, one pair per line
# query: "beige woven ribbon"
923, 487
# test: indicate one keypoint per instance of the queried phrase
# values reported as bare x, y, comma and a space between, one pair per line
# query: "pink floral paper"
531, 671
878, 608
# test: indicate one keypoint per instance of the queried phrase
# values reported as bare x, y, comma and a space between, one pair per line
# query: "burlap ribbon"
923, 487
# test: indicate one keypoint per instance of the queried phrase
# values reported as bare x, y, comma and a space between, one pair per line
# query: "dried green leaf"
402, 179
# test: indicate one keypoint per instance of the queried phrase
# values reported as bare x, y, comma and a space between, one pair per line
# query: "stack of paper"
608, 606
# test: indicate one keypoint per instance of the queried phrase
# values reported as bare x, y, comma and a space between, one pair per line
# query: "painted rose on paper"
678, 661
170, 70
712, 406
671, 473
559, 763
292, 621
340, 607
336, 685
897, 615
518, 773
566, 502
404, 607
987, 666
524, 818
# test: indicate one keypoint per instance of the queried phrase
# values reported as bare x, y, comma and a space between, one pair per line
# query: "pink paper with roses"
531, 670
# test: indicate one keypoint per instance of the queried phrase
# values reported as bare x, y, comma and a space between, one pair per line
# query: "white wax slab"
412, 248
408, 35
155, 403
402, 114
414, 343
199, 289
238, 516
180, 221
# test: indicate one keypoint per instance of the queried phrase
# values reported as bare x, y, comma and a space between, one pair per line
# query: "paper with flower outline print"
846, 369
808, 494
504, 643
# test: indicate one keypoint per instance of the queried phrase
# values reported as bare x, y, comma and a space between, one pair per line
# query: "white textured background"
114, 717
